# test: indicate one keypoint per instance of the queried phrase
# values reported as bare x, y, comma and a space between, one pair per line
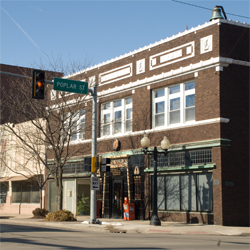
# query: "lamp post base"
155, 221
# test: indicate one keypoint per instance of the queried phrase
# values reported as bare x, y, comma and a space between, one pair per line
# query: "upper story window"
78, 125
174, 104
116, 117
75, 125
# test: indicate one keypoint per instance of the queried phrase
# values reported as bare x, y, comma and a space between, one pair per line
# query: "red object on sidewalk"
98, 209
128, 210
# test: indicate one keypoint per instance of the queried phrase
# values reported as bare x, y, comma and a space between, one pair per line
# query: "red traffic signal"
38, 84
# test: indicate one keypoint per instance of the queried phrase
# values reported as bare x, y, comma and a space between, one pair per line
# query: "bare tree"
45, 128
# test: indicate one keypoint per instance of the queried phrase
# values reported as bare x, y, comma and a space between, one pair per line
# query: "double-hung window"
190, 101
128, 115
116, 117
174, 104
106, 118
75, 125
82, 125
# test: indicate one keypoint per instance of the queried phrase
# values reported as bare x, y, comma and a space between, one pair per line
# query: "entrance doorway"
117, 199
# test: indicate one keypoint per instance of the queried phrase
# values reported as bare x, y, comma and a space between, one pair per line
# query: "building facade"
192, 87
22, 174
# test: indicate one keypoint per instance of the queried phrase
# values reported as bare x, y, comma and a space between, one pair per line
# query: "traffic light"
38, 81
93, 164
105, 165
87, 164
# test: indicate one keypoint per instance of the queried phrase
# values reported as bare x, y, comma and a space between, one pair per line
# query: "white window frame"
111, 111
158, 100
127, 107
187, 93
167, 99
106, 112
78, 119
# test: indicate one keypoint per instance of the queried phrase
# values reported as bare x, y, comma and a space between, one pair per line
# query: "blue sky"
32, 31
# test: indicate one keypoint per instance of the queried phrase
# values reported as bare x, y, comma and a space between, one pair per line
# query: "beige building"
21, 171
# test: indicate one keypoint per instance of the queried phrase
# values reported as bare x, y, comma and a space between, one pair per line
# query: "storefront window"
188, 192
172, 192
25, 192
4, 187
205, 192
178, 192
53, 197
161, 193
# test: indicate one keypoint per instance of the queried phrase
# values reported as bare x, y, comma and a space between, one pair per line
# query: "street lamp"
165, 144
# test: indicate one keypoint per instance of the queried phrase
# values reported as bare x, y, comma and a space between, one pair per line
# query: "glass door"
117, 199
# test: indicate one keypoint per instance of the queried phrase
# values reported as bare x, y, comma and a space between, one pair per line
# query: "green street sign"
71, 86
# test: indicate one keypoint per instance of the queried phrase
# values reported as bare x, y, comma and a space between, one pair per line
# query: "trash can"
128, 210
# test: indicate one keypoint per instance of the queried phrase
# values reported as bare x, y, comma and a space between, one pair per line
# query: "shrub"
83, 205
40, 212
60, 215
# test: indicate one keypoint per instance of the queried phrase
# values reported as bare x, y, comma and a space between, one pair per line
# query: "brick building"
193, 87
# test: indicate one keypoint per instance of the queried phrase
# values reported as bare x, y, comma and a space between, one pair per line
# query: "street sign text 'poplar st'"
71, 86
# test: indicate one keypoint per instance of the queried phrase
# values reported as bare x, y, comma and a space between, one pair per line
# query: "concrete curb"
134, 227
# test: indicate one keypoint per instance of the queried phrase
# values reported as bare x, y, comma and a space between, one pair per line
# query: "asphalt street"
16, 236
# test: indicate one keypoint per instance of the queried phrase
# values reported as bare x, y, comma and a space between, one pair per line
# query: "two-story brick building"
193, 87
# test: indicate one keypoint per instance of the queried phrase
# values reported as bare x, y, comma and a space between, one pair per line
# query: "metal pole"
93, 153
23, 77
155, 219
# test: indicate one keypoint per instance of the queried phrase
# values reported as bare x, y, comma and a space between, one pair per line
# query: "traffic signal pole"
23, 77
93, 92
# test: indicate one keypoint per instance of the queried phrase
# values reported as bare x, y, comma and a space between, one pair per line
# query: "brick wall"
218, 94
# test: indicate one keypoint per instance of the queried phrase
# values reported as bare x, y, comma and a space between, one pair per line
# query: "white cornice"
180, 34
192, 68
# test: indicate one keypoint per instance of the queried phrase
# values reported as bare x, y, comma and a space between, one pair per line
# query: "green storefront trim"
179, 168
220, 142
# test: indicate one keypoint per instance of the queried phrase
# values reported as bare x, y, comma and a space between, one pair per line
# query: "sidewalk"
121, 226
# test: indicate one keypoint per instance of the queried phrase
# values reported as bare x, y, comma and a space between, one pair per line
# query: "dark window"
137, 162
4, 187
137, 187
25, 192
73, 168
